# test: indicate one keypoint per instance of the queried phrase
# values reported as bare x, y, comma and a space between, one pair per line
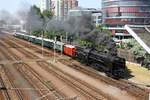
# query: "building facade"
117, 13
97, 18
95, 14
60, 8
44, 5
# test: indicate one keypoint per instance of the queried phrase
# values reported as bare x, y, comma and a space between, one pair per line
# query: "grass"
141, 75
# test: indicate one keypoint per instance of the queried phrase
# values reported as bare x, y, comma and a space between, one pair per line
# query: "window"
94, 22
99, 21
99, 17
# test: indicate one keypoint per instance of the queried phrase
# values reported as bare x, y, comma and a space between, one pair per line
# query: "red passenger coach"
69, 50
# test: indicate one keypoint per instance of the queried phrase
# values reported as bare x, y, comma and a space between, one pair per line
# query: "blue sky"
13, 5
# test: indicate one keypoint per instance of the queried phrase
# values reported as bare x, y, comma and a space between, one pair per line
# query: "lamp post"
44, 29
66, 37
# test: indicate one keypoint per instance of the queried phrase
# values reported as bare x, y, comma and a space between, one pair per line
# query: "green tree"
37, 33
37, 20
37, 10
138, 51
135, 48
102, 28
34, 19
47, 14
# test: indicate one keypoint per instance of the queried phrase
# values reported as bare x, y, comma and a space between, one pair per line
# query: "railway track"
85, 89
8, 53
18, 92
122, 84
11, 56
4, 90
34, 47
20, 49
18, 46
6, 39
38, 82
11, 93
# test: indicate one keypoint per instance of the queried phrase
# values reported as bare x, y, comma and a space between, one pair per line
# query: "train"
113, 66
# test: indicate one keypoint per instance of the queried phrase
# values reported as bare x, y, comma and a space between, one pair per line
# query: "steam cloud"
34, 22
76, 26
83, 28
7, 18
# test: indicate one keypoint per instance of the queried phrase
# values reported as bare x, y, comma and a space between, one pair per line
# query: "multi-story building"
97, 18
95, 14
117, 13
60, 8
44, 5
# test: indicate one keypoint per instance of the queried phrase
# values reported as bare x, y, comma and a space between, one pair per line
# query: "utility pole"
55, 48
61, 39
30, 35
66, 37
42, 43
44, 30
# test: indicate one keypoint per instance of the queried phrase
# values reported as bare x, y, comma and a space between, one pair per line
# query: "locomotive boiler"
112, 65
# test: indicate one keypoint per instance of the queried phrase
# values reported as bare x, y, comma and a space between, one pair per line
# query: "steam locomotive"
111, 65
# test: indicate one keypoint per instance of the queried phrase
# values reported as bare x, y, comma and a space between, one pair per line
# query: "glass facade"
121, 12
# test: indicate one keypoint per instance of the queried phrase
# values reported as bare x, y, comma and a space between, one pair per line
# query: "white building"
95, 14
44, 5
97, 18
60, 8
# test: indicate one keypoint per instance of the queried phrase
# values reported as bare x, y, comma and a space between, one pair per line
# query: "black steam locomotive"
113, 66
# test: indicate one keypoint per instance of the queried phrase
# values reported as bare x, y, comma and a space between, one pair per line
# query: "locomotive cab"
119, 67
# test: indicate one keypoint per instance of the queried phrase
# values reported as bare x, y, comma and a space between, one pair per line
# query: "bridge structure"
141, 33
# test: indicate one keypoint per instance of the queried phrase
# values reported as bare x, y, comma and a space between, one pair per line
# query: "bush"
37, 33
138, 51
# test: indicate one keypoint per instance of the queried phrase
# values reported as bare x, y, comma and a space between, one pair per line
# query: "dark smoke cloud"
34, 21
82, 27
74, 25
102, 39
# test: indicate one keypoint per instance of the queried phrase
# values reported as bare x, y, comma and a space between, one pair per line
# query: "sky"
14, 5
